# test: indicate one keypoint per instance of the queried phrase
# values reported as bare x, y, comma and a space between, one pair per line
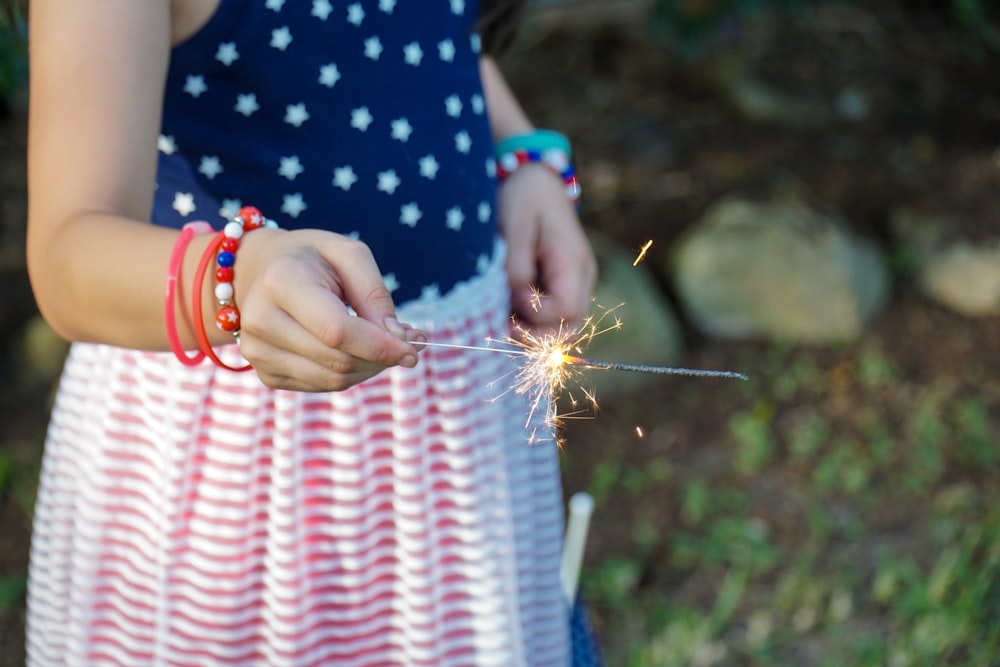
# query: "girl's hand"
293, 288
551, 267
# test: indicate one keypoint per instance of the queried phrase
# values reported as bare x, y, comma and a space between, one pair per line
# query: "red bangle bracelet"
196, 302
188, 232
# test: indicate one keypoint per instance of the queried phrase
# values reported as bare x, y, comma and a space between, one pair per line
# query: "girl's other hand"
550, 264
293, 289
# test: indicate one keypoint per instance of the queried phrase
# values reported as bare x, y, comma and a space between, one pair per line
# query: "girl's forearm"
507, 118
101, 279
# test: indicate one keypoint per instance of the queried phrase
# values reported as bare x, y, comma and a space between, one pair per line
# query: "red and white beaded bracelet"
556, 159
223, 248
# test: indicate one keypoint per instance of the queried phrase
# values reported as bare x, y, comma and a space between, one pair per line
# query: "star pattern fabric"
364, 118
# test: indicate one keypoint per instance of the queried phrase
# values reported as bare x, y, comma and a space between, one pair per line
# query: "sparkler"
553, 359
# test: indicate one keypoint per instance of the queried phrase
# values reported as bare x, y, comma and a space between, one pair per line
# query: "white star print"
478, 104
388, 181
210, 166
229, 208
344, 178
373, 48
454, 218
194, 85
247, 104
428, 167
391, 283
293, 204
227, 53
413, 54
274, 4
355, 14
387, 5
453, 106
457, 6
430, 292
322, 9
290, 167
482, 264
491, 168
361, 118
353, 235
166, 145
401, 129
296, 114
484, 211
446, 50
184, 203
281, 38
463, 142
410, 214
329, 75
476, 43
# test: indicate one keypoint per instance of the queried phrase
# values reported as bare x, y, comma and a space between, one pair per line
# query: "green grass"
839, 514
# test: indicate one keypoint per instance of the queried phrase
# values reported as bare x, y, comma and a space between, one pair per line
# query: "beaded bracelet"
557, 160
223, 248
188, 232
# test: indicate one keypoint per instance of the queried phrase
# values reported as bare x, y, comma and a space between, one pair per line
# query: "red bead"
251, 217
522, 156
228, 318
224, 274
229, 244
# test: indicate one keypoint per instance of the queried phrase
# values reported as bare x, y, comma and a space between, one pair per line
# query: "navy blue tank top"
365, 118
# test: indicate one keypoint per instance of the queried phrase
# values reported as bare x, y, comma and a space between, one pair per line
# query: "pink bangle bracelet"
188, 232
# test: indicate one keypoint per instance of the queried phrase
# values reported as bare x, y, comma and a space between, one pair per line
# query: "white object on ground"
581, 507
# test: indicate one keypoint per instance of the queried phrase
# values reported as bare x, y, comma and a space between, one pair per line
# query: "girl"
351, 499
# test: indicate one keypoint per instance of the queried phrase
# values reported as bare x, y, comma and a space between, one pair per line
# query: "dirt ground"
908, 116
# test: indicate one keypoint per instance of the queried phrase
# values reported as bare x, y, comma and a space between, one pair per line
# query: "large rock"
649, 332
778, 270
958, 273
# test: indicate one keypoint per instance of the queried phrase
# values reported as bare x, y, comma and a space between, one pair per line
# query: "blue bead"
534, 156
225, 258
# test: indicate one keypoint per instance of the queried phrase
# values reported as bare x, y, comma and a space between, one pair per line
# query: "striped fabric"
196, 517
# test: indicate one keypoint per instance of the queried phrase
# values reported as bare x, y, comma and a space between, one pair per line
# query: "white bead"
509, 162
556, 159
224, 291
270, 224
233, 230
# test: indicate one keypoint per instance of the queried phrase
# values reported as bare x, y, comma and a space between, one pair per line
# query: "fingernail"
409, 361
393, 326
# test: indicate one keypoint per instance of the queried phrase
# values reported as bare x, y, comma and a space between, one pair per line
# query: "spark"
642, 252
639, 432
536, 299
553, 360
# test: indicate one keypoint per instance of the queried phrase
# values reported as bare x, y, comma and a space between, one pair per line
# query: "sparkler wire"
662, 370
609, 365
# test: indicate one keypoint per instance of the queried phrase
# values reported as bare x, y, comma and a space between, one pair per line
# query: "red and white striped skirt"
196, 517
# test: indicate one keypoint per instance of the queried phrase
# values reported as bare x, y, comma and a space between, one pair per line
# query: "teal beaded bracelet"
536, 140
